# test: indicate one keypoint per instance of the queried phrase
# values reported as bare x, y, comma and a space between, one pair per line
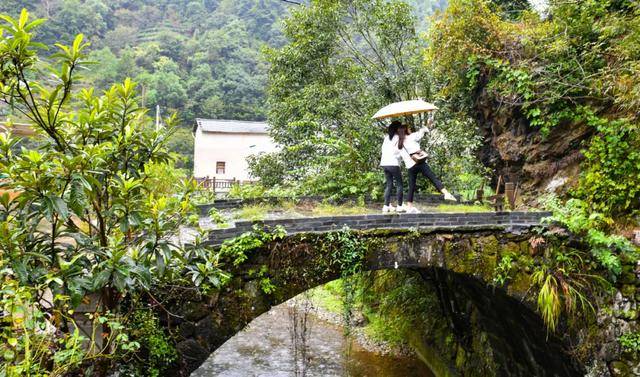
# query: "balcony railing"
219, 185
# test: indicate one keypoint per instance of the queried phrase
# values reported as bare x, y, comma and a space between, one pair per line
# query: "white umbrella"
397, 109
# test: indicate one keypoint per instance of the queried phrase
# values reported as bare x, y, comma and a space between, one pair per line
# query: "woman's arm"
418, 135
422, 131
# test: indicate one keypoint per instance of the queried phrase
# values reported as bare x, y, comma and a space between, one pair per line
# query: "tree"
94, 208
342, 62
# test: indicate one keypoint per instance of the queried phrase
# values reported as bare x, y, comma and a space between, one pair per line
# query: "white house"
222, 146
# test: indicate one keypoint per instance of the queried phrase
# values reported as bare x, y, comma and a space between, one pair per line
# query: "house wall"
232, 148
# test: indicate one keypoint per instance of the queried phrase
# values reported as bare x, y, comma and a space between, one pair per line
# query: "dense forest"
196, 58
201, 58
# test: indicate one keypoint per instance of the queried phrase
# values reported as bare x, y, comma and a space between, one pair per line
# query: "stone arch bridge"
458, 251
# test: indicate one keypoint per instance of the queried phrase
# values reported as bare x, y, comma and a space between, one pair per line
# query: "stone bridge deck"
448, 221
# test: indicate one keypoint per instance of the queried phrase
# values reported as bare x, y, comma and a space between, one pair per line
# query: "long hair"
403, 131
392, 130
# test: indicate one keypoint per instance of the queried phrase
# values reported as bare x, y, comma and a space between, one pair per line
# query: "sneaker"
448, 196
412, 209
387, 209
401, 208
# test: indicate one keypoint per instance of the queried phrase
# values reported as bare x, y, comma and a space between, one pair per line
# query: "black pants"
391, 174
426, 171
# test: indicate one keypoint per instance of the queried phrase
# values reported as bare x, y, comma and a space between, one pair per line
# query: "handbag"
419, 156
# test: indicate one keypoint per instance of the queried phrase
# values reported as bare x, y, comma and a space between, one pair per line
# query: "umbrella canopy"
397, 109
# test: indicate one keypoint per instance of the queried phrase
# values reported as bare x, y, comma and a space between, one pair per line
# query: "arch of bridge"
468, 245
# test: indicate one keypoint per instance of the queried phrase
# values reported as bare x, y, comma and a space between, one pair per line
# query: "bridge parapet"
449, 221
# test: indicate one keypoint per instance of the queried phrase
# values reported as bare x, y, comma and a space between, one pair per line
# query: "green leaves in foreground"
91, 215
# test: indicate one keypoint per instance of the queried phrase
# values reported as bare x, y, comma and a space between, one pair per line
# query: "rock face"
521, 154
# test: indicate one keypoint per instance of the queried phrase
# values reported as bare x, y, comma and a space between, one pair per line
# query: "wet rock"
192, 354
186, 329
608, 351
358, 319
599, 369
620, 369
194, 310
207, 332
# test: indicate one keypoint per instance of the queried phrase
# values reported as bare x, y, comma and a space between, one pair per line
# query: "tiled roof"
232, 126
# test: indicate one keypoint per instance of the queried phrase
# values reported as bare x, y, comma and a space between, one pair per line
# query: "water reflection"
263, 349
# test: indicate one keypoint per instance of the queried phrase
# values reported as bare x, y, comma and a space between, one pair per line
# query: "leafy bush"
157, 352
611, 180
630, 341
96, 208
258, 190
591, 226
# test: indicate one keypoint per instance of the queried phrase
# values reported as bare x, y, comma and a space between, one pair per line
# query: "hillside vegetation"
196, 58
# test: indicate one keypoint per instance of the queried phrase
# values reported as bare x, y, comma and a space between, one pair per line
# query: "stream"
264, 349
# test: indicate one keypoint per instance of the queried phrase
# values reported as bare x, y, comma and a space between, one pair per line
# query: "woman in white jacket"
390, 163
409, 144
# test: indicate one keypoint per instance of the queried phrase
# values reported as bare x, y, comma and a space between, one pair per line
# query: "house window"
220, 167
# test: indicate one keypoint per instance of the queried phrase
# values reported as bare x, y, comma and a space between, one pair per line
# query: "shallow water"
264, 349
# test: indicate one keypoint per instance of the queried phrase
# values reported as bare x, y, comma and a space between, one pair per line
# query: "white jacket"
390, 152
412, 145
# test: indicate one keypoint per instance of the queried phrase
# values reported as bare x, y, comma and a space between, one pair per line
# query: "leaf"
101, 279
24, 16
35, 23
60, 207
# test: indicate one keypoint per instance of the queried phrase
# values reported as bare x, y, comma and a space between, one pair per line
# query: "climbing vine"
236, 249
348, 251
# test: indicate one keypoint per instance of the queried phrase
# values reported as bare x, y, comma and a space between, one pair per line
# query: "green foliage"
563, 286
630, 341
30, 340
28, 343
606, 248
94, 207
261, 190
526, 64
264, 281
252, 213
201, 59
247, 191
217, 217
503, 270
236, 249
321, 96
348, 250
611, 180
157, 352
397, 303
